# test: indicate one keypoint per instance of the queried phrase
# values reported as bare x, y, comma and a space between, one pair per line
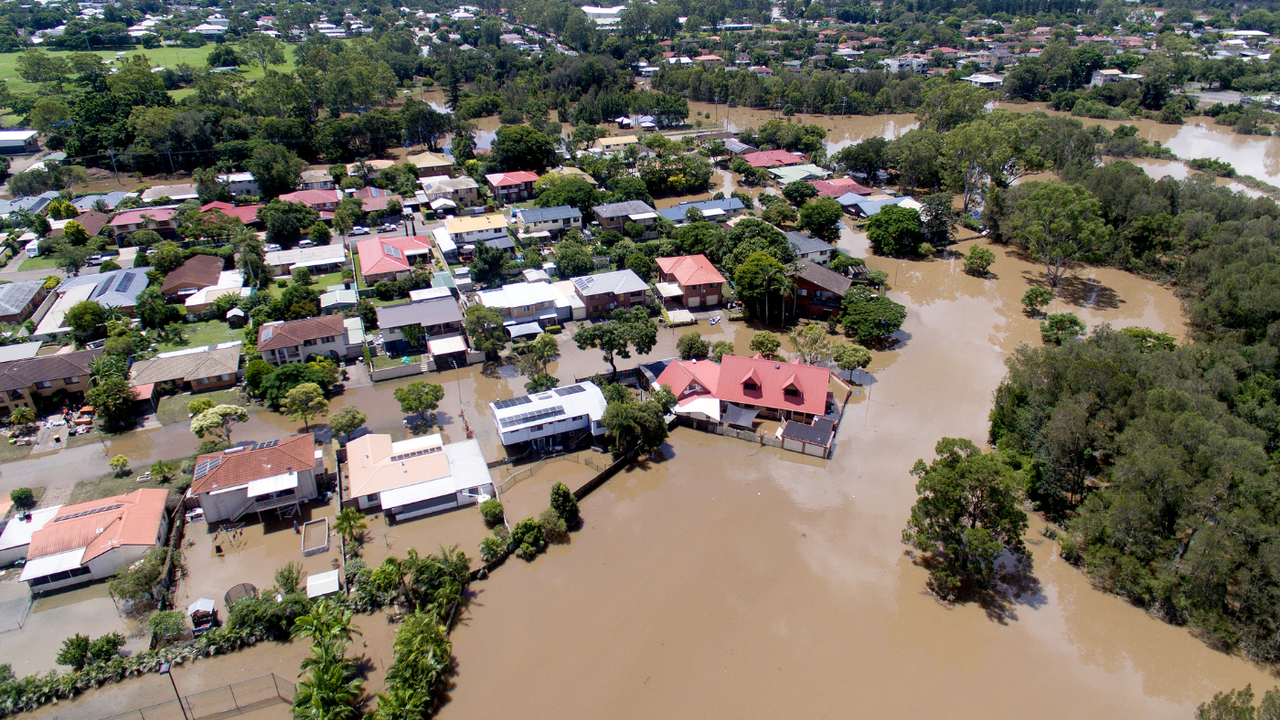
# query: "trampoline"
239, 592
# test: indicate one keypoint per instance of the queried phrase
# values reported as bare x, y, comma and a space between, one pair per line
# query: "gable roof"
559, 212
91, 220
14, 297
706, 207
197, 272
691, 270
429, 160
244, 213
187, 365
19, 374
804, 243
312, 197
475, 223
772, 377
618, 282
294, 332
511, 178
623, 209
835, 187
102, 525
244, 464
117, 288
434, 311
691, 376
137, 215
376, 199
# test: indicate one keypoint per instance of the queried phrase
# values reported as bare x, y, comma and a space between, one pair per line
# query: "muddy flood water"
727, 580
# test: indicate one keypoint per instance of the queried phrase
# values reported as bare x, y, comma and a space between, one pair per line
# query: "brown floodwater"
729, 580
841, 130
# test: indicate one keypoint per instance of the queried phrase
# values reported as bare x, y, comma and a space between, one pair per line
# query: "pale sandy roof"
375, 464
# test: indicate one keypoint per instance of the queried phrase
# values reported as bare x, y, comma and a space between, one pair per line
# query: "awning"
145, 390
643, 216
524, 329
668, 289
273, 484
410, 494
707, 408
325, 583
441, 203
446, 345
681, 317
739, 417
51, 564
201, 605
318, 262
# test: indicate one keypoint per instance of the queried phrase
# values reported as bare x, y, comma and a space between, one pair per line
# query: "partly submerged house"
553, 420
417, 476
278, 475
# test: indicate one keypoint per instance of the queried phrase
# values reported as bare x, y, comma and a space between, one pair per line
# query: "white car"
358, 230
306, 243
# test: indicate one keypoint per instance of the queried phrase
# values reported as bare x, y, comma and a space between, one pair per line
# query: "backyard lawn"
9, 453
381, 362
39, 263
321, 283
173, 408
109, 484
209, 332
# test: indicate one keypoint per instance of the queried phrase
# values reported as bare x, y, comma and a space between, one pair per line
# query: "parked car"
97, 259
358, 230
388, 227
306, 243
271, 247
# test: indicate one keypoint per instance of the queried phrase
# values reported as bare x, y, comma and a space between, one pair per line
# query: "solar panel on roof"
94, 511
260, 446
570, 390
512, 402
532, 416
204, 467
393, 252
125, 281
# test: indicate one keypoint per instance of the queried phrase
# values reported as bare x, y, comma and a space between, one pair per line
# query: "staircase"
287, 505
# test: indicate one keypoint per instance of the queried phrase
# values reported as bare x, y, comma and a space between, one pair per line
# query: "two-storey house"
698, 281
606, 292
286, 341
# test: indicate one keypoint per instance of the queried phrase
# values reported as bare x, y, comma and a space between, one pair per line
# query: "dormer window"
750, 385
791, 391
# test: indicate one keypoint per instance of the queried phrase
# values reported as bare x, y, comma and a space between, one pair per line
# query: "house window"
308, 343
750, 385
44, 385
791, 391
803, 293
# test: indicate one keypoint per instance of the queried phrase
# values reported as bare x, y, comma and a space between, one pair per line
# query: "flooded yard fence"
240, 697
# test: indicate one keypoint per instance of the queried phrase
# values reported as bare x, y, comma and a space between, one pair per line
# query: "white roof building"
417, 476
553, 419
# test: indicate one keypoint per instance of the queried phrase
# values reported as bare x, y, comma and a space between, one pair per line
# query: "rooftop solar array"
570, 390
532, 416
393, 251
260, 446
512, 402
204, 467
417, 453
125, 281
89, 512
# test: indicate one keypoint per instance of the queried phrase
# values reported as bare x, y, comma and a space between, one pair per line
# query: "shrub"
491, 511
554, 528
282, 284
554, 329
924, 249
23, 498
167, 626
978, 261
106, 647
289, 577
1060, 327
491, 548
352, 570
692, 346
75, 651
1036, 298
527, 539
138, 580
565, 504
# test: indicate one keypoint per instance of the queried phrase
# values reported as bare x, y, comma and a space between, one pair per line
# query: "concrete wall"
398, 371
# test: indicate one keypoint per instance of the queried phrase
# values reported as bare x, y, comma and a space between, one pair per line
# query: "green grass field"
173, 408
169, 56
209, 332
320, 283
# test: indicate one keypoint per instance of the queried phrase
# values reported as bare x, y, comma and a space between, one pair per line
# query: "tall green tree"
275, 168
624, 331
965, 518
1057, 224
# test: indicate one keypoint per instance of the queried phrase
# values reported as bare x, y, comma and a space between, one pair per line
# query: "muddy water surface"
729, 580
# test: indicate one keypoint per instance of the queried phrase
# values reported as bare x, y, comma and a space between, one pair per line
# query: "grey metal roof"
15, 296
677, 213
804, 243
623, 209
618, 282
822, 277
117, 288
560, 212
819, 433
503, 243
436, 311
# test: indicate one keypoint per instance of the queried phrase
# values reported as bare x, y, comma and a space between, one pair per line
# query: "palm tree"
330, 692
787, 289
328, 625
349, 523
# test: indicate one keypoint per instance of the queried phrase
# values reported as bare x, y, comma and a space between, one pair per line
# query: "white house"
17, 533
95, 540
551, 420
278, 475
240, 183
417, 476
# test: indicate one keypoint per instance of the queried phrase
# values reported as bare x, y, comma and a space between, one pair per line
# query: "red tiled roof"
295, 332
375, 260
376, 199
237, 467
244, 213
313, 197
135, 522
772, 158
691, 270
836, 187
772, 377
690, 376
511, 178
134, 217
